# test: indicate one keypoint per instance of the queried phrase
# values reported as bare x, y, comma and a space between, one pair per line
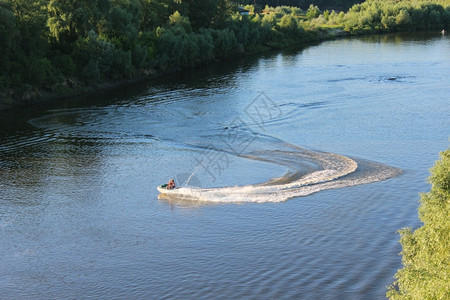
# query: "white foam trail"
336, 171
309, 171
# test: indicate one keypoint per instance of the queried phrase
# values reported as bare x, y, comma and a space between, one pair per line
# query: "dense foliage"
387, 16
56, 45
426, 251
47, 42
329, 4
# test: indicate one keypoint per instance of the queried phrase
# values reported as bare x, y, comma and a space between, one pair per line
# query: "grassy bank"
52, 49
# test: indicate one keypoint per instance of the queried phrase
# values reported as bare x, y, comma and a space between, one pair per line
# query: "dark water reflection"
80, 216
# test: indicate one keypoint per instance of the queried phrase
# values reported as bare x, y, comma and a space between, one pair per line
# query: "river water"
296, 170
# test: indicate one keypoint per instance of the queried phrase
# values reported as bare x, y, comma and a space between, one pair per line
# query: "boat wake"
309, 172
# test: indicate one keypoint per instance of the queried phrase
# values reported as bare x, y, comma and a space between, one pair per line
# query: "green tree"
288, 24
68, 19
388, 22
201, 13
403, 19
39, 71
9, 37
426, 251
91, 71
269, 20
176, 19
205, 45
31, 18
122, 24
225, 43
313, 12
95, 54
155, 13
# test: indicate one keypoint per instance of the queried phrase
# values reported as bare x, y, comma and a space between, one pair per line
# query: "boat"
163, 190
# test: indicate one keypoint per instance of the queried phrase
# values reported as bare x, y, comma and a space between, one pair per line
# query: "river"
296, 170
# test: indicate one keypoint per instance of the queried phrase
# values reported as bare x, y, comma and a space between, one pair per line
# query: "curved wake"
309, 172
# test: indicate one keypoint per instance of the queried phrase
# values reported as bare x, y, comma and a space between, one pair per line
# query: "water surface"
80, 215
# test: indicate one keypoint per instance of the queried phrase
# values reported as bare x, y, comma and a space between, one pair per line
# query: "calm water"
79, 210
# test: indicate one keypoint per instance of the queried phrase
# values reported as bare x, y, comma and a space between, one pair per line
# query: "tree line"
375, 16
56, 44
325, 4
47, 42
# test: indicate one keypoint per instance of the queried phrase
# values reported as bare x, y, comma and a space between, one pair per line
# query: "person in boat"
170, 185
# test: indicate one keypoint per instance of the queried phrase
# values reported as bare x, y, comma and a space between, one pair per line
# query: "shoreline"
70, 89
73, 89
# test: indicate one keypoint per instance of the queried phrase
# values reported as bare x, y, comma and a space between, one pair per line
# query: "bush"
38, 71
288, 24
91, 72
426, 251
225, 43
64, 64
96, 49
139, 56
313, 12
122, 66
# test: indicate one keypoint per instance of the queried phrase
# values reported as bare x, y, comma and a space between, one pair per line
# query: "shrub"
426, 251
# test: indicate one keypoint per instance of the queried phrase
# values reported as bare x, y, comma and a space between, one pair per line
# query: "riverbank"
74, 88
67, 89
123, 44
